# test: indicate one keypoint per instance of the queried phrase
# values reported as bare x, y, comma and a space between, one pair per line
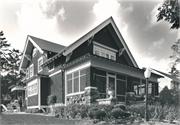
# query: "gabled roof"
173, 78
113, 29
47, 45
41, 45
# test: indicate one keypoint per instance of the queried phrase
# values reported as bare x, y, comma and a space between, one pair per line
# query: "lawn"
29, 119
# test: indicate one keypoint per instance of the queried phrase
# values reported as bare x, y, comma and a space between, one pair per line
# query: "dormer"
104, 51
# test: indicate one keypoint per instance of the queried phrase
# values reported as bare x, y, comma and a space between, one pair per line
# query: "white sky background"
64, 22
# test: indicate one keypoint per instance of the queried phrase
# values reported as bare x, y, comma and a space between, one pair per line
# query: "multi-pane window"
51, 65
27, 73
76, 81
32, 89
105, 52
40, 62
31, 71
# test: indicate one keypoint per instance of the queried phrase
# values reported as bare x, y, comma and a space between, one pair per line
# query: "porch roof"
125, 69
17, 87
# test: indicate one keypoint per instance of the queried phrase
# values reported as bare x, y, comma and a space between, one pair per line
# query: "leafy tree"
169, 11
175, 58
170, 97
9, 62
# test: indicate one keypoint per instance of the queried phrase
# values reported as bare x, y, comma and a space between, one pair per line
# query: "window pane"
121, 87
112, 57
76, 74
69, 76
69, 86
107, 56
82, 82
103, 54
82, 72
97, 52
101, 84
76, 84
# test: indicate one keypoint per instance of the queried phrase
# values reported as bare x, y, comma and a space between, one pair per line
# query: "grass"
29, 119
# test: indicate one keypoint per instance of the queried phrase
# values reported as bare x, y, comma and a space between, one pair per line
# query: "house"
172, 82
99, 58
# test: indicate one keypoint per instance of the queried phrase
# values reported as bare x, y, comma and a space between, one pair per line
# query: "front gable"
106, 34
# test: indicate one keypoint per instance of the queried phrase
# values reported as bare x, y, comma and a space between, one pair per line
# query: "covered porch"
125, 79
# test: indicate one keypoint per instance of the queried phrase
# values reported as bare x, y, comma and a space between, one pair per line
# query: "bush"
121, 106
35, 110
117, 112
51, 100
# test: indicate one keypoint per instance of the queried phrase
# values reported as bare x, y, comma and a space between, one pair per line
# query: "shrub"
92, 112
165, 96
35, 110
117, 112
121, 106
51, 100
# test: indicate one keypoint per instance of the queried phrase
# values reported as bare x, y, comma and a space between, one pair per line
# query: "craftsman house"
93, 62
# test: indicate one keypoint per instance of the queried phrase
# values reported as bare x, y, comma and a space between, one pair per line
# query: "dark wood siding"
104, 37
33, 100
44, 90
57, 87
81, 50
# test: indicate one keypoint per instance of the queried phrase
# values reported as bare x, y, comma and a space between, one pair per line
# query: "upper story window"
27, 73
40, 62
104, 51
51, 66
31, 70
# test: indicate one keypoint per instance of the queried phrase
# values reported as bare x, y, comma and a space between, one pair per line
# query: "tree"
9, 62
175, 58
165, 96
169, 11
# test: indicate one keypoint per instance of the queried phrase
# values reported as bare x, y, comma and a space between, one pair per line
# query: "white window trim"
52, 68
80, 92
27, 73
105, 47
31, 84
106, 50
41, 58
30, 70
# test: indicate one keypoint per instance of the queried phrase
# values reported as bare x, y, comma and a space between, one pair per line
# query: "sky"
65, 21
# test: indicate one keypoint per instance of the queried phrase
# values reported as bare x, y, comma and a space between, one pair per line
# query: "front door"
112, 83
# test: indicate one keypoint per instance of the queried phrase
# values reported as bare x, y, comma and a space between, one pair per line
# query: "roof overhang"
84, 38
17, 88
28, 50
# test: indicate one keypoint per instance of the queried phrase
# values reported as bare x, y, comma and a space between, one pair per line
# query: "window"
32, 89
27, 73
51, 65
104, 51
31, 71
40, 62
76, 81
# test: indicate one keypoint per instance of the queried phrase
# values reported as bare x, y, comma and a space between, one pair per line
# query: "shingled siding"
81, 50
44, 90
57, 87
33, 100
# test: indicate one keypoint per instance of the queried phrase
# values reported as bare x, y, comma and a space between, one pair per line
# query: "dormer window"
104, 51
